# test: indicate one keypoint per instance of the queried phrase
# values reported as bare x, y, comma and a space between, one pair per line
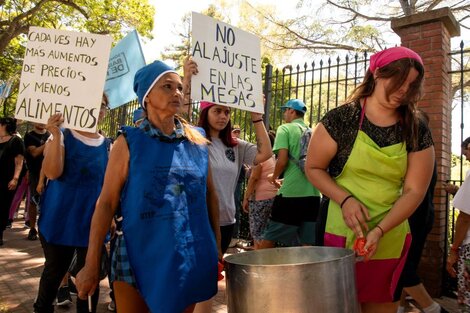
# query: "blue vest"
68, 203
171, 246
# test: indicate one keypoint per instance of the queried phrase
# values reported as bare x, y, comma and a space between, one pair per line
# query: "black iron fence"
460, 75
321, 85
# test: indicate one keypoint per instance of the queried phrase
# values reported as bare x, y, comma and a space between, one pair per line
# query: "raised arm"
108, 201
189, 69
54, 152
262, 139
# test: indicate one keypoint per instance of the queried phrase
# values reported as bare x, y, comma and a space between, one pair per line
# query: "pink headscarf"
205, 105
387, 56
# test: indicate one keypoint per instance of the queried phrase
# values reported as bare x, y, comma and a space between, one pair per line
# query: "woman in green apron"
373, 159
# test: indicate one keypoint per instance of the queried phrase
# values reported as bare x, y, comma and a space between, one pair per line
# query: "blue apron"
68, 203
171, 246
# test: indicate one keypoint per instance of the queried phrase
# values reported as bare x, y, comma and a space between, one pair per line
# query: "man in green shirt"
295, 208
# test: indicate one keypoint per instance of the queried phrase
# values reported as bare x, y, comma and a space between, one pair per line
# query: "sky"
168, 15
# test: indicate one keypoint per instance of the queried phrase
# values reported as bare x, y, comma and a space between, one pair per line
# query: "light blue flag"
5, 88
125, 60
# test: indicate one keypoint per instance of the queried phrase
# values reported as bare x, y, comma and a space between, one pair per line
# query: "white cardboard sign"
229, 64
63, 72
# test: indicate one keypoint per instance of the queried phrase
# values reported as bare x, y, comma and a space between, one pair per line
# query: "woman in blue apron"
74, 162
166, 254
373, 159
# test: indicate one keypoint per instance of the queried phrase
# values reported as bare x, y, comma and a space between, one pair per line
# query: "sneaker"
245, 245
233, 242
72, 287
63, 297
26, 224
33, 234
112, 306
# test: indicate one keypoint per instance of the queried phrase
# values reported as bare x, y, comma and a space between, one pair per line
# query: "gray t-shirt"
226, 164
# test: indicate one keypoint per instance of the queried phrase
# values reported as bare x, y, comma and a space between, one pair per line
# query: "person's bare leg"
65, 280
33, 211
128, 299
403, 298
420, 295
204, 307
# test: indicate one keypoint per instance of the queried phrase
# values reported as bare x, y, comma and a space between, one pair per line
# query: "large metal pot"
292, 280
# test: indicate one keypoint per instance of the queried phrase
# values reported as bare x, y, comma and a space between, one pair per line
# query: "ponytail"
192, 134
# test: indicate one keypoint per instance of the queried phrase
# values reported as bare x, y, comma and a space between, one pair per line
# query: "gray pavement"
21, 264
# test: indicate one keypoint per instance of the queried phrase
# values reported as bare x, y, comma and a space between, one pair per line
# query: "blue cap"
146, 78
138, 115
295, 104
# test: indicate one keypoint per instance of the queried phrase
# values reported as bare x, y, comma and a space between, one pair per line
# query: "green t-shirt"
295, 183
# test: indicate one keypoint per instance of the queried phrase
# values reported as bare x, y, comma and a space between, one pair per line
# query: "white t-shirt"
93, 142
462, 202
225, 166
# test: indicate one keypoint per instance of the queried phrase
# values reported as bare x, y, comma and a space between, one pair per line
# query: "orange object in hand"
359, 245
220, 268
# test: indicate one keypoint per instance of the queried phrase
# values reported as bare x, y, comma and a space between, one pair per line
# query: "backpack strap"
295, 160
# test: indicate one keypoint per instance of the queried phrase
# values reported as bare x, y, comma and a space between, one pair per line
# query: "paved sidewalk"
21, 264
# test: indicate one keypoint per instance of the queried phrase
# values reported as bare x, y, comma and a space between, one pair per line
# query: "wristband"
257, 121
344, 201
381, 229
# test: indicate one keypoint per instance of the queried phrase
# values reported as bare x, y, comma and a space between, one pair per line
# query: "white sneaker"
112, 306
233, 242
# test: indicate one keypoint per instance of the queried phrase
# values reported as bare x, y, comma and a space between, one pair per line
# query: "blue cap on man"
295, 104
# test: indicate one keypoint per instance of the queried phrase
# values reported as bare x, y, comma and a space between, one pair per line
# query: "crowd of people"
165, 193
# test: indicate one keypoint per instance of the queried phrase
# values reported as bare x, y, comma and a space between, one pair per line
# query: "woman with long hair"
227, 155
373, 159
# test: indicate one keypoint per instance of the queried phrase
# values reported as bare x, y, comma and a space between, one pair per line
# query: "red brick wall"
431, 40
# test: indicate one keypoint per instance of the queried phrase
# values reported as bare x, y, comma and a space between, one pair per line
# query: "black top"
8, 151
342, 124
36, 140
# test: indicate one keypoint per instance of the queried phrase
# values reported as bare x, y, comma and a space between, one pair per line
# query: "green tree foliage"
112, 17
358, 25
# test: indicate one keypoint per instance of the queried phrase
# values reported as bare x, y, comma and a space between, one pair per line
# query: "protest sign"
63, 72
229, 64
125, 60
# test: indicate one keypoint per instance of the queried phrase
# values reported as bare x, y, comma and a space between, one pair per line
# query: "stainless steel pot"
292, 280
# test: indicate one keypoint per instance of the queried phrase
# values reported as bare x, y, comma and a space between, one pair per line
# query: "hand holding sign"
54, 122
63, 72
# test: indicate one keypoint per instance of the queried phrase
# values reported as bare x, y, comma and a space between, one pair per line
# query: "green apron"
374, 176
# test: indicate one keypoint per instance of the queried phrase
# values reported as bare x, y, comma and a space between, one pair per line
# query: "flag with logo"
125, 60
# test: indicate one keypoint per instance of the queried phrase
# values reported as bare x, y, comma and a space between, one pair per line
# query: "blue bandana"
154, 132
